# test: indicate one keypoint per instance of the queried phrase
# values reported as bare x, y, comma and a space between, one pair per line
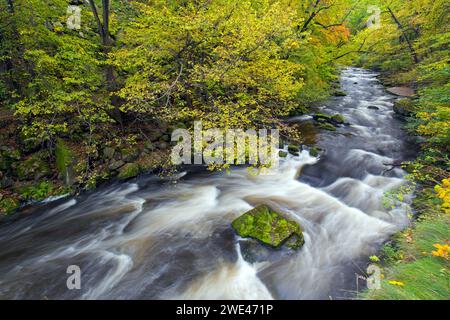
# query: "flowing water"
155, 239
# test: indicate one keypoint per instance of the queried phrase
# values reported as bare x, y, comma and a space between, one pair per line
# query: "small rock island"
269, 227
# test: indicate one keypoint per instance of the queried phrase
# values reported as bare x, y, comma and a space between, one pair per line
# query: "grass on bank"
413, 267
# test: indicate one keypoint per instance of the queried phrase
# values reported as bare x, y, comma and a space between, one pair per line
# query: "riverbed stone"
327, 126
321, 117
339, 93
337, 118
294, 149
282, 154
316, 151
269, 227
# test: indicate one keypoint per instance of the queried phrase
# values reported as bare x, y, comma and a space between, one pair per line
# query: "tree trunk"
107, 42
402, 29
310, 18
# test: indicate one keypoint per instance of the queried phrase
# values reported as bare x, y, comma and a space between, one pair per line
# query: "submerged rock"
339, 93
326, 126
269, 227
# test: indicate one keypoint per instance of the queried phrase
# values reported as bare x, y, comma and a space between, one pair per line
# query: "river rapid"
158, 238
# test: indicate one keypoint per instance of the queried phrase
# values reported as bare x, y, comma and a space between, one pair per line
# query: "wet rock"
403, 107
252, 251
373, 107
282, 154
321, 117
129, 170
339, 93
116, 164
316, 151
294, 149
337, 118
327, 126
269, 227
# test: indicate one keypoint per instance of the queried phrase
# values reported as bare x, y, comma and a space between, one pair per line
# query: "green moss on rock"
326, 126
403, 107
269, 227
282, 154
129, 170
294, 149
338, 118
65, 161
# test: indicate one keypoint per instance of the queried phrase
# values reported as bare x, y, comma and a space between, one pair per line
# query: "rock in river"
269, 227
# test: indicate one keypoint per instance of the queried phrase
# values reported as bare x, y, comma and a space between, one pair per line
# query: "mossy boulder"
338, 118
294, 149
403, 107
322, 117
282, 154
269, 227
316, 151
334, 120
326, 126
129, 170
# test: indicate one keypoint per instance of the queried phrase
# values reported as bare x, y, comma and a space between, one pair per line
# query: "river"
171, 238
